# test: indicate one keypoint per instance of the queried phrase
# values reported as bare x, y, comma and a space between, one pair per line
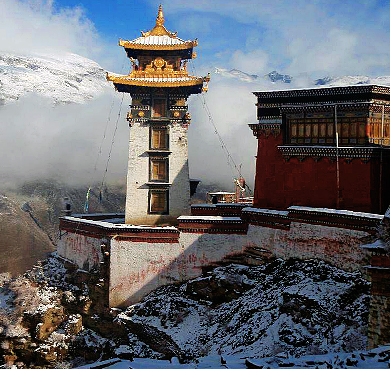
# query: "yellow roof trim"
124, 80
131, 45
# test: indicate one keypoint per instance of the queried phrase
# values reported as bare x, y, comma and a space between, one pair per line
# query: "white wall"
138, 268
81, 250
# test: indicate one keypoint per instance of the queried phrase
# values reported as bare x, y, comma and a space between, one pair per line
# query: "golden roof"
156, 81
159, 73
158, 38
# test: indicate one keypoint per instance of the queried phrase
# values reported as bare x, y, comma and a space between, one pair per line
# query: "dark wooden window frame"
163, 159
164, 104
166, 207
158, 128
321, 131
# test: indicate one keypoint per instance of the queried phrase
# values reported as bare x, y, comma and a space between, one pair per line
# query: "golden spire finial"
160, 16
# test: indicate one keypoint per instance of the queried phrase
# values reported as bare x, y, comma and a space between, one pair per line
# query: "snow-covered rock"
67, 78
296, 307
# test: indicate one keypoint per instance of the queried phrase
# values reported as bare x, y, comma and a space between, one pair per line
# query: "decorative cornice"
127, 80
216, 225
328, 107
266, 218
266, 129
324, 91
184, 46
100, 229
301, 152
335, 218
140, 107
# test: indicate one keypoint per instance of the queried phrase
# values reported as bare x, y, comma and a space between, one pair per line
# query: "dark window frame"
159, 159
165, 105
158, 128
166, 208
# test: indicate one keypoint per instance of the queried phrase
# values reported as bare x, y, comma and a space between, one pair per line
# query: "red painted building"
323, 147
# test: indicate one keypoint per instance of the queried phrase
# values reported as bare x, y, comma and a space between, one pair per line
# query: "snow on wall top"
266, 211
109, 225
348, 213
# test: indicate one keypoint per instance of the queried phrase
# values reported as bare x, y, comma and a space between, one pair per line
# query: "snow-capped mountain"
68, 78
282, 79
352, 80
235, 73
273, 76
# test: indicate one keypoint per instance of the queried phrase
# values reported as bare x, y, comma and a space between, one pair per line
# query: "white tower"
158, 186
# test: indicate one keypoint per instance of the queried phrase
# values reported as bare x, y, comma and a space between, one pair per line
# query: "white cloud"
39, 140
232, 107
255, 61
37, 27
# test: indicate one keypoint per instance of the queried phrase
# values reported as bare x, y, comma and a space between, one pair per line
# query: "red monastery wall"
280, 183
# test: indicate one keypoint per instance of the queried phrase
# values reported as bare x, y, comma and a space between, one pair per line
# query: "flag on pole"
86, 207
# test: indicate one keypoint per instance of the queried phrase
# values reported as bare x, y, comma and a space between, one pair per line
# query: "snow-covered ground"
291, 313
374, 359
296, 307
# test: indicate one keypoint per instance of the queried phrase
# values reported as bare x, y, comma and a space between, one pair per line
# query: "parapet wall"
142, 258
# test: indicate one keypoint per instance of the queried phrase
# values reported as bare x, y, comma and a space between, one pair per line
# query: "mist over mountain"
285, 80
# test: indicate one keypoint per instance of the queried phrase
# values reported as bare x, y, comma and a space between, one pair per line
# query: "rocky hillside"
22, 239
275, 309
67, 78
29, 218
296, 307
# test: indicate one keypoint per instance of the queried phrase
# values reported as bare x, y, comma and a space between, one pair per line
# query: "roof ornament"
160, 17
159, 29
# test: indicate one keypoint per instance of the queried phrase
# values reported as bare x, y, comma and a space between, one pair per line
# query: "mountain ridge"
66, 78
285, 79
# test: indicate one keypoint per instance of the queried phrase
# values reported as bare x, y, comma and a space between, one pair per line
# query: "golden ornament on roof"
166, 70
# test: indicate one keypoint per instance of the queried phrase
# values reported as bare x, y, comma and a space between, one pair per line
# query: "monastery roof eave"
158, 43
156, 82
320, 90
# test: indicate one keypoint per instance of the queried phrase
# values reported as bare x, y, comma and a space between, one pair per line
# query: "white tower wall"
138, 181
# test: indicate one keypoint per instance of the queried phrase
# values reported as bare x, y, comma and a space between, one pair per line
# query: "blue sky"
315, 37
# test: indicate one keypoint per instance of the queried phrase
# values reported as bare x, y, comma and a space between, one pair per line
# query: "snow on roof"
158, 40
378, 244
265, 211
105, 224
348, 213
108, 215
221, 193
208, 218
203, 206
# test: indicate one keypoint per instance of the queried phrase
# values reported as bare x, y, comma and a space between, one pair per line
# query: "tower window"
158, 201
159, 108
159, 138
159, 169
